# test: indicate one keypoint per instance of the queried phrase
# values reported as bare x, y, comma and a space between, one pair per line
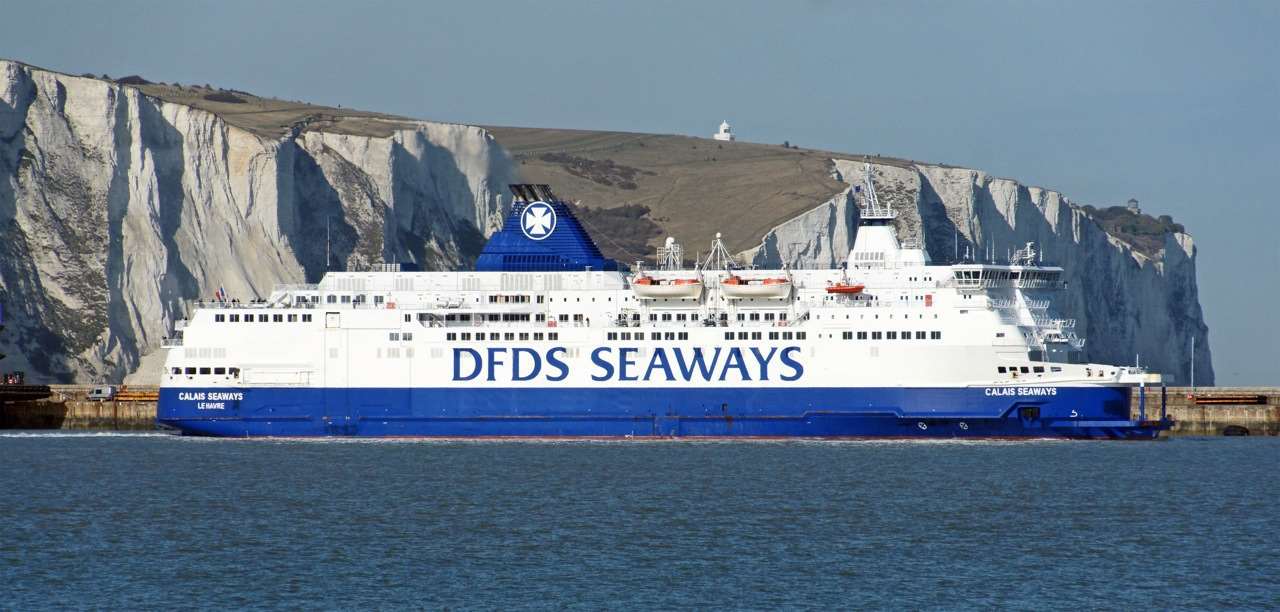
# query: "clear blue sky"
1175, 103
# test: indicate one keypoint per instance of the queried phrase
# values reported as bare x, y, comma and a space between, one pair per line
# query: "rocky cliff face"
1125, 302
117, 208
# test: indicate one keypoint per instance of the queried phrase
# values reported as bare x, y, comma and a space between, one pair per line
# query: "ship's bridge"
974, 277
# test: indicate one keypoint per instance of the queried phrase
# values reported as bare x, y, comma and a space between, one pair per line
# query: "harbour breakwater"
1203, 411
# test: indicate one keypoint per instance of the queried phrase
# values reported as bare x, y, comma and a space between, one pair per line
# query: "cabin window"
235, 318
219, 318
394, 336
755, 316
846, 335
537, 335
465, 336
919, 335
728, 335
773, 335
625, 335
346, 299
262, 318
669, 336
331, 299
451, 336
177, 371
206, 371
493, 335
611, 336
234, 372
755, 335
769, 316
408, 318
1055, 369
666, 316
742, 316
577, 317
306, 318
936, 335
782, 316
553, 336
786, 335
862, 335
684, 335
801, 335
377, 299
1038, 369
876, 335
1002, 369
509, 336
293, 318
891, 335
220, 371
277, 318
524, 335
191, 371
1025, 370
742, 335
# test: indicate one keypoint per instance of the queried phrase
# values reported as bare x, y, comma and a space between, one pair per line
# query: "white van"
104, 393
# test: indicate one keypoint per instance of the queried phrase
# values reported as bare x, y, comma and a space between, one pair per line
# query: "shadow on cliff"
434, 209
165, 143
311, 215
120, 331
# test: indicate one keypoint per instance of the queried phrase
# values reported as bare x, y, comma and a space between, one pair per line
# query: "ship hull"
969, 412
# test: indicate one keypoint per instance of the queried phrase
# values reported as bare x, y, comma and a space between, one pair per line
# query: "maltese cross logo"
538, 220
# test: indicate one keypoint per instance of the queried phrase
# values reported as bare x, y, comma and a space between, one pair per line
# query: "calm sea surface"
154, 521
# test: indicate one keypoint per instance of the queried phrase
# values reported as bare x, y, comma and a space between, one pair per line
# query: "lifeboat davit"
680, 288
845, 288
736, 287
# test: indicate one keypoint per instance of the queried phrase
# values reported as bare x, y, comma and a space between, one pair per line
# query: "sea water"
159, 521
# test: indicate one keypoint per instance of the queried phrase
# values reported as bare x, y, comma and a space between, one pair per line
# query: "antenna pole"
1193, 362
328, 259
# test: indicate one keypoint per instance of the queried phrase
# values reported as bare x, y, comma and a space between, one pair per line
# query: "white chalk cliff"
117, 209
1125, 303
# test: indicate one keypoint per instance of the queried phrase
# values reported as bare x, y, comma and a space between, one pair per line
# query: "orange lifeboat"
649, 287
736, 287
845, 288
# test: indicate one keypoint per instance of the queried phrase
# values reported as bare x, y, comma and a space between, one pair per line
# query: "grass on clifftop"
1144, 232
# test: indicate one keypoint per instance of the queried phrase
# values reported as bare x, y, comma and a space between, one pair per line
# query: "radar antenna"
871, 207
670, 255
719, 258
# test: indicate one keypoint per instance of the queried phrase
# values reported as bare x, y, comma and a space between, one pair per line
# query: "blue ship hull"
1068, 412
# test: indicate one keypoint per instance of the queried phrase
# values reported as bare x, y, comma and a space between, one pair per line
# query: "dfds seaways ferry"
547, 338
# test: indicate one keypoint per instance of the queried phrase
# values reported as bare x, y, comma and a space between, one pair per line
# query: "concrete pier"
69, 408
1210, 411
1204, 411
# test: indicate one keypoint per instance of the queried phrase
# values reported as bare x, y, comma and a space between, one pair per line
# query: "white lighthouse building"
725, 133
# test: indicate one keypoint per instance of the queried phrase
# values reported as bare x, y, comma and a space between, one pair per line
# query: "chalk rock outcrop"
117, 209
1126, 303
